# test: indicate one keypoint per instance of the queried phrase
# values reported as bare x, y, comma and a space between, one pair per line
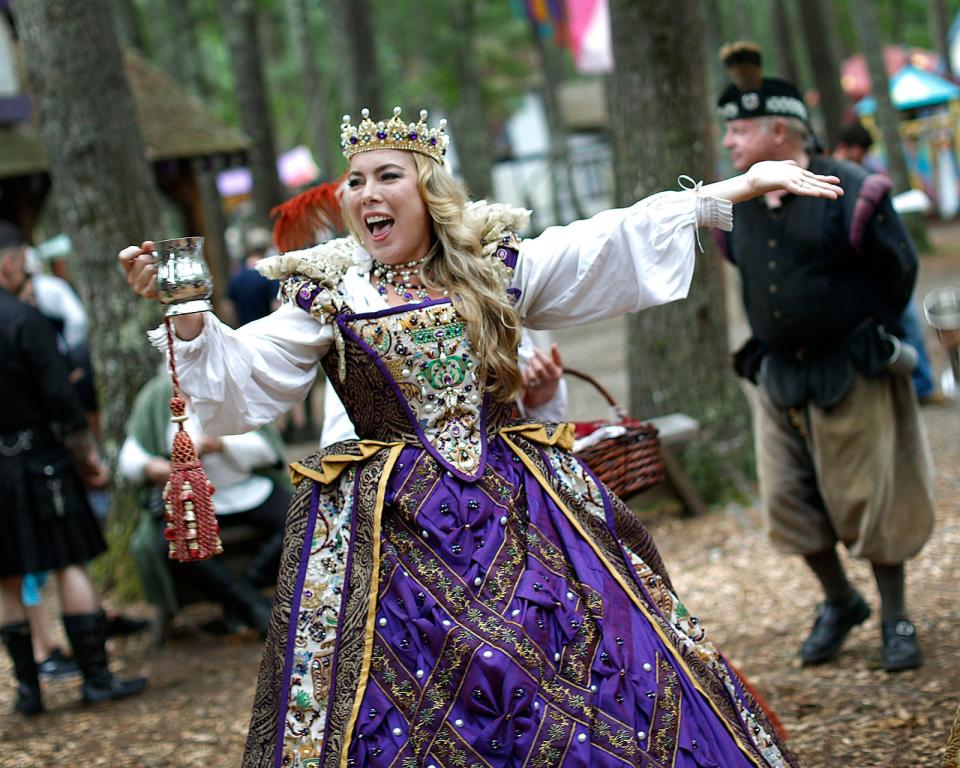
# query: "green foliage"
114, 572
417, 55
416, 47
215, 61
282, 71
905, 22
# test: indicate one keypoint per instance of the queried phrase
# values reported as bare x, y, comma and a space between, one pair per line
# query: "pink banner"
589, 25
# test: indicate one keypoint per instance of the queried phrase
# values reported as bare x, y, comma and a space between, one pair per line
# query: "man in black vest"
841, 452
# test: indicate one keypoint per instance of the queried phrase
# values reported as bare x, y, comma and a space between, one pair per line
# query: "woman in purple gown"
456, 589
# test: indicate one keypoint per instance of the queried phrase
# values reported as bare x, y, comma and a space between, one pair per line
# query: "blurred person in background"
47, 456
57, 301
853, 145
252, 295
251, 490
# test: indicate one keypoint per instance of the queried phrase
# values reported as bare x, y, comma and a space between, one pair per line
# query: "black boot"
834, 621
900, 648
88, 637
263, 569
238, 596
119, 625
16, 637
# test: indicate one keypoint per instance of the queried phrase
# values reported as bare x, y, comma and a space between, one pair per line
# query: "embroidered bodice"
410, 375
405, 373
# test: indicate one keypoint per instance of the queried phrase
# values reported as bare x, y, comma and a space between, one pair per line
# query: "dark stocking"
890, 583
828, 569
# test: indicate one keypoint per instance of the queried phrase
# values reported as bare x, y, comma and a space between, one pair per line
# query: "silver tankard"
184, 283
942, 309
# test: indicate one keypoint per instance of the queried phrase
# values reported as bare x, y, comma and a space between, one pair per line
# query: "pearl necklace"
398, 277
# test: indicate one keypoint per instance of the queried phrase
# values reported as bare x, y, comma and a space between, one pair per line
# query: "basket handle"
618, 409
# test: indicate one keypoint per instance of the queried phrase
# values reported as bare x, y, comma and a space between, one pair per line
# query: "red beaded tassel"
192, 529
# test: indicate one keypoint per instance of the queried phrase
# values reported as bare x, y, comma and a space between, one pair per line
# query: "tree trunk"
783, 37
822, 50
180, 54
240, 26
103, 185
939, 26
896, 21
888, 119
214, 226
128, 24
470, 113
183, 63
715, 39
679, 356
353, 30
743, 20
833, 17
718, 78
561, 165
321, 123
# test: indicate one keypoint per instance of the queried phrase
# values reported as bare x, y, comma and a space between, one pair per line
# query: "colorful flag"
549, 16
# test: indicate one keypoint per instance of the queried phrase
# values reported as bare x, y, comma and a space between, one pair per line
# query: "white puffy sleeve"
336, 423
619, 261
244, 378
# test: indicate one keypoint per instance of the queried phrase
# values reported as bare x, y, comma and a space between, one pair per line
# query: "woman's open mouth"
379, 226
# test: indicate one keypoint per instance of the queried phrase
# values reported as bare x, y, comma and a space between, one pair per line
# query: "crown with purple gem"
394, 134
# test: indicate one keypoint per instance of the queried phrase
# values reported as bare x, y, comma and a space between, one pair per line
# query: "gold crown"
394, 134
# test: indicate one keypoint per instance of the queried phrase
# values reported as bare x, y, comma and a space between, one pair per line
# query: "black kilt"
46, 522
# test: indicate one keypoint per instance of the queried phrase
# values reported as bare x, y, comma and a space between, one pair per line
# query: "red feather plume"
297, 221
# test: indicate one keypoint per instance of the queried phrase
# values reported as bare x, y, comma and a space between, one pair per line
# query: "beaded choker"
398, 277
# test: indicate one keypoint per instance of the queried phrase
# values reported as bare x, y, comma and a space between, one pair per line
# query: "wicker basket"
628, 463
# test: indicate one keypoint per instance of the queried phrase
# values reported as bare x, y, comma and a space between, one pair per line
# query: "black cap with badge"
751, 94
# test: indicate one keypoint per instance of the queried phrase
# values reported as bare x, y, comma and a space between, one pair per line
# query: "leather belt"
24, 440
14, 443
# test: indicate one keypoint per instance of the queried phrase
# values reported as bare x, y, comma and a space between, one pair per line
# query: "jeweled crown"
394, 134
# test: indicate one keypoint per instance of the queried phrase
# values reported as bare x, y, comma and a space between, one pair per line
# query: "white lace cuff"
716, 212
711, 211
184, 349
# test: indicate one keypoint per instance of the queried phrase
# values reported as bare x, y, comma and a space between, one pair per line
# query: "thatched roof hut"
176, 128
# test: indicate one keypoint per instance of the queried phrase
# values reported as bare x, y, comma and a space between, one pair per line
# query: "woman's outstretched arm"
625, 260
771, 176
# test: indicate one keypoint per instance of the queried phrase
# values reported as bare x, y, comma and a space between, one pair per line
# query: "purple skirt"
520, 620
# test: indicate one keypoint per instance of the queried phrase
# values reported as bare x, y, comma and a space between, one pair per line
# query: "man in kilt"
46, 459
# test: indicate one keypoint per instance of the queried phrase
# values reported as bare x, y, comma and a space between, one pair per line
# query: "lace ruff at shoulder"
492, 221
327, 261
312, 278
497, 225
